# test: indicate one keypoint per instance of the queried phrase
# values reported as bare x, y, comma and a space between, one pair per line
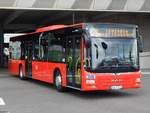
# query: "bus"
84, 56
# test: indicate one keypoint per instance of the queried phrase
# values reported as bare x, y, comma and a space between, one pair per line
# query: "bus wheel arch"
57, 80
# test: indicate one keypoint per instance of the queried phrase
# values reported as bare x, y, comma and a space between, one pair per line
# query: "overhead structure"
27, 15
122, 5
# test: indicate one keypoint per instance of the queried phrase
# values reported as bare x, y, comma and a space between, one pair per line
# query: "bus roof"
45, 29
49, 28
57, 27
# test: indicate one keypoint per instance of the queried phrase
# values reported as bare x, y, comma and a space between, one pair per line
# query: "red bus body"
103, 80
44, 70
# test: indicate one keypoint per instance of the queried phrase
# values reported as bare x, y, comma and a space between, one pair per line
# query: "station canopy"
28, 15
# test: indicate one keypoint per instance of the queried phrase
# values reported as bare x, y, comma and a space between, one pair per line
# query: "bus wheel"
21, 76
58, 81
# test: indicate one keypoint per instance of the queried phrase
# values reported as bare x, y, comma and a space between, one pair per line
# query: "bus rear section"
86, 56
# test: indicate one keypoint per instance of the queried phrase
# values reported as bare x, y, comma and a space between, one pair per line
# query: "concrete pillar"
1, 46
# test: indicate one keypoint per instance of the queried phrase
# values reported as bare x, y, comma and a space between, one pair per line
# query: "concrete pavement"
32, 96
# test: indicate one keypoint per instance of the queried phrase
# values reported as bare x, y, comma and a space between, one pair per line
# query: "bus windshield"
112, 54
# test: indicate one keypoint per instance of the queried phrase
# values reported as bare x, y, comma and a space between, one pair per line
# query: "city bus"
85, 56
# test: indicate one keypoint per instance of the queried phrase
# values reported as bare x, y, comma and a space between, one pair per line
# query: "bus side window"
43, 49
10, 49
56, 50
36, 50
16, 50
22, 50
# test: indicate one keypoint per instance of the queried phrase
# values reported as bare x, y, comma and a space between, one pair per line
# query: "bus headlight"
90, 81
90, 76
138, 80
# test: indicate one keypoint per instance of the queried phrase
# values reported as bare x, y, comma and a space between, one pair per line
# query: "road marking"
2, 103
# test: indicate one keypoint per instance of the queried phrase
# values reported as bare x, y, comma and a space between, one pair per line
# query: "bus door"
28, 58
73, 61
39, 64
43, 57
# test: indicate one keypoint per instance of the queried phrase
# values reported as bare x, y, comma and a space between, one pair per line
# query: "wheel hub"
58, 81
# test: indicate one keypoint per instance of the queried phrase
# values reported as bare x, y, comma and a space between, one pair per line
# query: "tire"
21, 76
58, 82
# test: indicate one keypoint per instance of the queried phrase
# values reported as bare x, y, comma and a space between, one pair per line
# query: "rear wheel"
21, 76
58, 82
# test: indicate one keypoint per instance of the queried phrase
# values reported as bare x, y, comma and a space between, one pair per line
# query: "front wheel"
58, 82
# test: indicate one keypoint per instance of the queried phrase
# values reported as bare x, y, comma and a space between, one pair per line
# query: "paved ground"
37, 97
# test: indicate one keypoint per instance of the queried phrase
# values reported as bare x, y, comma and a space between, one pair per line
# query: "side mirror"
140, 43
104, 45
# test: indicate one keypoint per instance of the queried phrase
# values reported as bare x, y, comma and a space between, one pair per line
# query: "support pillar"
1, 46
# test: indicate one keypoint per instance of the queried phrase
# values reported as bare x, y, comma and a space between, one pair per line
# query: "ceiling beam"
24, 27
13, 16
102, 15
56, 17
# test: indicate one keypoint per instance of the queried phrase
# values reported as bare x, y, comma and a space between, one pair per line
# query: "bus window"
56, 50
15, 50
36, 50
22, 50
43, 48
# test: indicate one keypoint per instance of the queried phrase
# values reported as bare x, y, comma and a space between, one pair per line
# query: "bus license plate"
116, 87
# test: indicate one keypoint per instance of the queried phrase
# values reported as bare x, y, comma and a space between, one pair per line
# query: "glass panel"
56, 49
111, 30
113, 55
36, 49
73, 60
43, 50
15, 49
77, 60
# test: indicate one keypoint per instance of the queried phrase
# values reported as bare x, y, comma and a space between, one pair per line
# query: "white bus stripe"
2, 103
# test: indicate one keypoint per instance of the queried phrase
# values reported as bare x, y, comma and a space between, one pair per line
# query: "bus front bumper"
107, 81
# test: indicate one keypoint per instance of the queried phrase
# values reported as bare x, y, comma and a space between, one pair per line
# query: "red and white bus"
86, 56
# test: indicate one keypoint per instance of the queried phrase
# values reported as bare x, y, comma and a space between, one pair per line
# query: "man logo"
116, 80
116, 74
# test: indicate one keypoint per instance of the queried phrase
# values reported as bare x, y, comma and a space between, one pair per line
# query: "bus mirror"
140, 43
104, 45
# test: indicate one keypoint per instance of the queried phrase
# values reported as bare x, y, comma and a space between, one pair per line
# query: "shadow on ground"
87, 94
